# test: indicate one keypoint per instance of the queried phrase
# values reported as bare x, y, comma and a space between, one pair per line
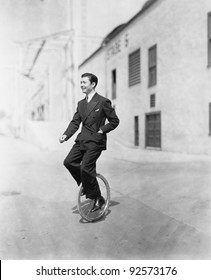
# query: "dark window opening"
136, 130
114, 84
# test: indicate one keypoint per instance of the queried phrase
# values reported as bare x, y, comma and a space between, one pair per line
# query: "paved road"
160, 206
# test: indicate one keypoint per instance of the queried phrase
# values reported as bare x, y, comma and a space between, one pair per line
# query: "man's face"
86, 85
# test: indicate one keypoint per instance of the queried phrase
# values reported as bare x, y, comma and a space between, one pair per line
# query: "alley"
160, 206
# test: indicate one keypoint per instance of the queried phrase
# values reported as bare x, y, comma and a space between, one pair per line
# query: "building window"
152, 58
209, 118
114, 84
136, 131
152, 100
134, 68
209, 39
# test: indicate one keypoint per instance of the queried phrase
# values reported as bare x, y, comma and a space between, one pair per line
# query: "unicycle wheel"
85, 204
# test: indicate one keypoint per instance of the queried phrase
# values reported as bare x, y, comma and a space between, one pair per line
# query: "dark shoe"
98, 203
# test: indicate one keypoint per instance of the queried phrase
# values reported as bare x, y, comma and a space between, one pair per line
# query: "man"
92, 111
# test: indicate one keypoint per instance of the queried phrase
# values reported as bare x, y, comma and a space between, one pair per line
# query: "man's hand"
62, 138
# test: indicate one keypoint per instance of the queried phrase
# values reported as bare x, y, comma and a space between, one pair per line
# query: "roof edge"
119, 28
89, 57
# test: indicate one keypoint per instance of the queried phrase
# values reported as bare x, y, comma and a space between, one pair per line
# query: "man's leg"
88, 174
73, 162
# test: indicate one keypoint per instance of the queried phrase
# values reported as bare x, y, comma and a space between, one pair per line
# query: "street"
160, 206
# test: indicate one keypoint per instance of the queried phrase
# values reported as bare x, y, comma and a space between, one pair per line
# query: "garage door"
153, 130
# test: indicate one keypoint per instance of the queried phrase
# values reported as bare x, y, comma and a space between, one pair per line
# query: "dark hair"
92, 78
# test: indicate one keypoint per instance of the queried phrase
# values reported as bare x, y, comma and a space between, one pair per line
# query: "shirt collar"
90, 96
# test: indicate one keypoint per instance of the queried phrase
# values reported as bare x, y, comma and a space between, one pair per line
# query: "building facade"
156, 69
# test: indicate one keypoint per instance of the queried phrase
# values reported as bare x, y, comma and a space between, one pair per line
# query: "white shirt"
90, 96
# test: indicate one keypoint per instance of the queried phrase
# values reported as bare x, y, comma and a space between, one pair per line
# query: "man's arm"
72, 127
111, 116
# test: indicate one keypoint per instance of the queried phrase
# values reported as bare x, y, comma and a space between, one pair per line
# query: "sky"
22, 20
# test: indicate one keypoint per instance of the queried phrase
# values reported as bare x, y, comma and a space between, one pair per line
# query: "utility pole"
70, 63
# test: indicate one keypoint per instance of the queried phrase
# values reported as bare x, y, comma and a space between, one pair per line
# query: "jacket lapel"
91, 105
83, 109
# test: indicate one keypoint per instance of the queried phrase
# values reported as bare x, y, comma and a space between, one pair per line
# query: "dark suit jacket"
93, 116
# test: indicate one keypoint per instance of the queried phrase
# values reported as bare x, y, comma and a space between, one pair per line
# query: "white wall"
183, 90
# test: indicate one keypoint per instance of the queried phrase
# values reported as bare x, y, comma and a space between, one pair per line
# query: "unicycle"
85, 204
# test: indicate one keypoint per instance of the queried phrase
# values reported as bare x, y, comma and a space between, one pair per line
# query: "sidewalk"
136, 154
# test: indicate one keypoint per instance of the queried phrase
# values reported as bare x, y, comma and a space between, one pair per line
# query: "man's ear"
94, 85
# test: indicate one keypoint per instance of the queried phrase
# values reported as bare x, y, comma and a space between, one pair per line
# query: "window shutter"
152, 61
134, 68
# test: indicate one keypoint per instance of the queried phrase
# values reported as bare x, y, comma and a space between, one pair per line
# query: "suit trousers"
82, 166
